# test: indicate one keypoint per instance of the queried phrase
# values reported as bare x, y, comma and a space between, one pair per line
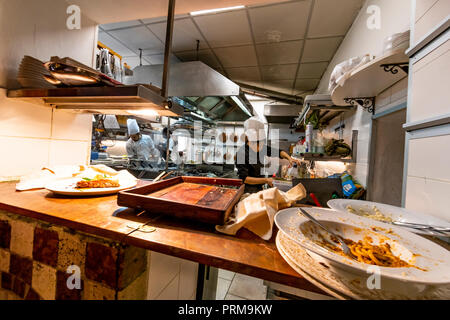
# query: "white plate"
396, 213
429, 256
67, 188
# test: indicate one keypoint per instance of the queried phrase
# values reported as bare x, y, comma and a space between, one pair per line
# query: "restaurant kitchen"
224, 150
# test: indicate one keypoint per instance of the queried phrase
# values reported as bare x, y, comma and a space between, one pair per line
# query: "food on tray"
366, 252
99, 181
376, 215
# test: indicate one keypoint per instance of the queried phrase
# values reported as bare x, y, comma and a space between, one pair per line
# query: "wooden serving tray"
208, 200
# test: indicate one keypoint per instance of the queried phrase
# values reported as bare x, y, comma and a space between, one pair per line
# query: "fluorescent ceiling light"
196, 13
241, 105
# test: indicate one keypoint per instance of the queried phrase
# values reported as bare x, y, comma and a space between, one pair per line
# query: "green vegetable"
87, 179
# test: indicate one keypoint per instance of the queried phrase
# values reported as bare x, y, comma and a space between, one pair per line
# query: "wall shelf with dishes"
319, 109
369, 80
315, 156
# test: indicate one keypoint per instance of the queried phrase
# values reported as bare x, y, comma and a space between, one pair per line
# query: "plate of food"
409, 265
401, 217
93, 182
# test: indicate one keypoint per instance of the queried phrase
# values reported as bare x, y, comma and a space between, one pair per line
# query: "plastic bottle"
309, 137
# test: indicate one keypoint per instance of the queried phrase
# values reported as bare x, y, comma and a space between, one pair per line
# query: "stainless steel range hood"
281, 113
199, 88
186, 79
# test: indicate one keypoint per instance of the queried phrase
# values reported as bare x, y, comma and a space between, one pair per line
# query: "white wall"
360, 40
31, 135
427, 178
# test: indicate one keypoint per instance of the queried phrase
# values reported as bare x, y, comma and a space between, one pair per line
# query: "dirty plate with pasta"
389, 214
397, 254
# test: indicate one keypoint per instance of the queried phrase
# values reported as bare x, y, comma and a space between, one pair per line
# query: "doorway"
386, 159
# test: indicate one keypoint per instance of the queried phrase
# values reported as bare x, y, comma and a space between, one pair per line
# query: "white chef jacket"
141, 149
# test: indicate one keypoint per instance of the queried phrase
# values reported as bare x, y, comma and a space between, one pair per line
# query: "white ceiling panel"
163, 19
329, 19
279, 72
258, 84
281, 52
283, 86
154, 20
302, 93
244, 74
225, 29
117, 25
306, 84
205, 56
115, 45
320, 49
159, 59
231, 57
281, 22
139, 37
312, 70
185, 35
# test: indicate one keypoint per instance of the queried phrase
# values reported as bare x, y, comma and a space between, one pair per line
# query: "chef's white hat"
133, 127
254, 129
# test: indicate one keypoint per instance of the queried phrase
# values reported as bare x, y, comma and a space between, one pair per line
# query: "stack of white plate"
396, 41
344, 278
31, 74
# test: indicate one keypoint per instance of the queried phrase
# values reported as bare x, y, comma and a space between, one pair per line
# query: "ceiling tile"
328, 19
306, 84
243, 56
159, 59
283, 86
258, 84
205, 56
139, 37
115, 45
279, 72
302, 93
117, 25
320, 49
185, 35
244, 74
312, 70
163, 19
153, 20
279, 53
225, 29
280, 22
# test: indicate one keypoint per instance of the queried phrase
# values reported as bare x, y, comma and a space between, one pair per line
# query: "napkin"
257, 211
39, 179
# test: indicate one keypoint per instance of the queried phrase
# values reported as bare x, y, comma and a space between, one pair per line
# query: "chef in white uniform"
139, 146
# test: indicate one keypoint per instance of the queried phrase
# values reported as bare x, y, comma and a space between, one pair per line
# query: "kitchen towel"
257, 211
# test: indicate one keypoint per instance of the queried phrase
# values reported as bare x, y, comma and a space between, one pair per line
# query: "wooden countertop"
244, 253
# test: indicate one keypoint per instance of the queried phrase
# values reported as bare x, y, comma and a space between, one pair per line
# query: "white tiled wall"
428, 178
428, 170
171, 278
428, 14
33, 135
359, 41
430, 94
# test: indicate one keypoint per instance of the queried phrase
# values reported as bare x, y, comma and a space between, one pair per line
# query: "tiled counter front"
35, 257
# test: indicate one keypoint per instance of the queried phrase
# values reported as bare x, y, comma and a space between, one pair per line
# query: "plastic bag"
341, 71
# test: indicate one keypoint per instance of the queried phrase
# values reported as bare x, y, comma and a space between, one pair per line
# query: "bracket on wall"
394, 67
367, 103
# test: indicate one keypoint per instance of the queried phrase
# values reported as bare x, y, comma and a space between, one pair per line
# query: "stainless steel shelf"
111, 100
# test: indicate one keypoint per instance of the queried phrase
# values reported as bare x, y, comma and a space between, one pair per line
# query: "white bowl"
395, 283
